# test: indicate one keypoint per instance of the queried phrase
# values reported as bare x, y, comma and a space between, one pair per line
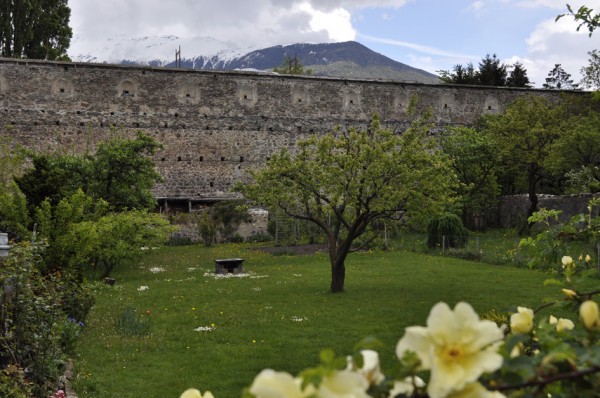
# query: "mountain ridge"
348, 59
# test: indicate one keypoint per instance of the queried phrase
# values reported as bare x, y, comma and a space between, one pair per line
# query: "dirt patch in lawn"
297, 250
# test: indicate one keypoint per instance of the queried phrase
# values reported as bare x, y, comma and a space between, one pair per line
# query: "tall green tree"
591, 72
292, 66
121, 172
524, 137
344, 181
518, 77
559, 79
474, 161
124, 172
36, 29
492, 72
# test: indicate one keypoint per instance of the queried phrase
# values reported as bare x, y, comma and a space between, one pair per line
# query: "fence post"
443, 244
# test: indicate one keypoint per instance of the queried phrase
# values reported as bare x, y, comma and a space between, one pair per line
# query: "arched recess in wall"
491, 105
300, 95
127, 89
351, 100
62, 87
188, 93
247, 93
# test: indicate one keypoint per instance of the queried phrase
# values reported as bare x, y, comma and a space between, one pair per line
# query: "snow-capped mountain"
347, 59
155, 50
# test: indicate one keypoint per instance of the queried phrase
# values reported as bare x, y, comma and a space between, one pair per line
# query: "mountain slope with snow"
346, 59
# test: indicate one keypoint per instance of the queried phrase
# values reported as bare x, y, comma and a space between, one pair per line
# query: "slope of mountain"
347, 59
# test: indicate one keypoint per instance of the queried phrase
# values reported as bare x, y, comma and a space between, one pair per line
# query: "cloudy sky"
428, 34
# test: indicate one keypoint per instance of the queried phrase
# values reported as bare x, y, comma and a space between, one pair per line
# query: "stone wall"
214, 125
513, 209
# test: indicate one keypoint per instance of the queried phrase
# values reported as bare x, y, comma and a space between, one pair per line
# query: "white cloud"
418, 47
554, 43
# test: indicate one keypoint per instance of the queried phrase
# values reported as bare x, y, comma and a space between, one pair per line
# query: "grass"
280, 317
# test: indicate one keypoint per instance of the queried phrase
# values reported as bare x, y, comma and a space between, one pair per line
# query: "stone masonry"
214, 125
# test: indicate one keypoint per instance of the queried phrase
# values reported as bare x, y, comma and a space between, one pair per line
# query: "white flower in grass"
156, 270
522, 321
142, 288
456, 346
272, 384
344, 384
193, 393
204, 329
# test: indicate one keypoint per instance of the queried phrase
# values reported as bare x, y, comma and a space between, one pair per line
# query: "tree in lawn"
346, 180
524, 137
474, 161
37, 29
124, 172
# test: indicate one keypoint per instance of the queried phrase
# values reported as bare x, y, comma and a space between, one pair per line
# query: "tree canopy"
345, 180
292, 66
37, 29
559, 79
491, 72
524, 138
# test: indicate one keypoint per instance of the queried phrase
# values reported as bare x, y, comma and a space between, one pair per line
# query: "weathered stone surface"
214, 125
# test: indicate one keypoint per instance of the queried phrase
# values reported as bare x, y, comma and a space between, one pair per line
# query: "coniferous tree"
36, 29
558, 79
492, 72
518, 77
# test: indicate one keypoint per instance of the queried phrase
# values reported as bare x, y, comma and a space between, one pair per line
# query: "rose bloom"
561, 324
456, 346
271, 384
343, 384
406, 386
193, 393
566, 260
370, 369
522, 321
590, 315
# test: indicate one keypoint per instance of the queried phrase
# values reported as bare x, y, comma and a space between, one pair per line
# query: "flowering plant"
460, 355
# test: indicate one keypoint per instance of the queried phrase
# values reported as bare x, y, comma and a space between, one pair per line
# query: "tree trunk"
337, 256
338, 275
533, 199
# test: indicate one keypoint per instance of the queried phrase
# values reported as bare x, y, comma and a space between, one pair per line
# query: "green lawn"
279, 317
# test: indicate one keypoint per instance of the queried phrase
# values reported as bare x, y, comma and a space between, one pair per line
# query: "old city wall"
214, 125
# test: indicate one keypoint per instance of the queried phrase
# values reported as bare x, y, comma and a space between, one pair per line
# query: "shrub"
30, 325
451, 227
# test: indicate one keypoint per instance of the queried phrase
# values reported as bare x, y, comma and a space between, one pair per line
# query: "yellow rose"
343, 384
566, 260
522, 321
587, 258
569, 293
271, 384
456, 346
371, 368
590, 315
193, 393
562, 324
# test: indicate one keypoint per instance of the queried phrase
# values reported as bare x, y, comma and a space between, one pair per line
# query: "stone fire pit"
229, 266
